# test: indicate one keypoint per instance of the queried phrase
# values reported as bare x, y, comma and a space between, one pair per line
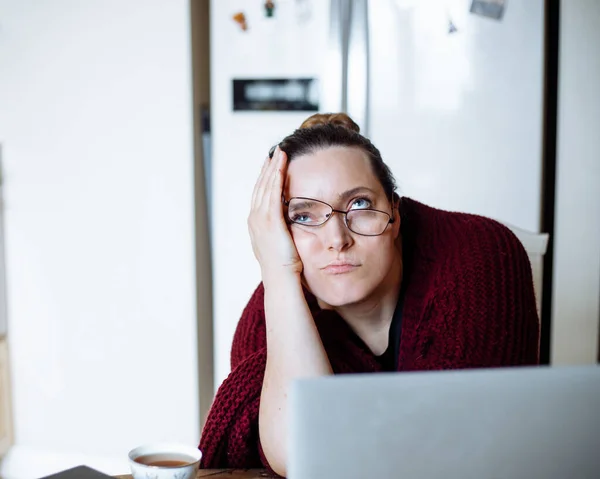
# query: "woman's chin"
340, 293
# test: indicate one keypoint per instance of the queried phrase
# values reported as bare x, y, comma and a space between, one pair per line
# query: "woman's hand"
271, 241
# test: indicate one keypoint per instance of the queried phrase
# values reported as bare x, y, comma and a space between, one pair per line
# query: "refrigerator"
450, 91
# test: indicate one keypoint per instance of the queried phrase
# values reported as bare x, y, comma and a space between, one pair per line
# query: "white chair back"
535, 245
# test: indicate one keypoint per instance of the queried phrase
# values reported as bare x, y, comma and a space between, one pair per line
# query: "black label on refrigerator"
276, 94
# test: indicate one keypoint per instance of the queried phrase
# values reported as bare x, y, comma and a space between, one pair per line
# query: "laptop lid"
504, 423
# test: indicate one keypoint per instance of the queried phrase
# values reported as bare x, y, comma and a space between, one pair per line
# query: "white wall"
3, 321
576, 289
96, 125
285, 45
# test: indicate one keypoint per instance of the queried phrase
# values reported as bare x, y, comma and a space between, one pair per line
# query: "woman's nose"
337, 234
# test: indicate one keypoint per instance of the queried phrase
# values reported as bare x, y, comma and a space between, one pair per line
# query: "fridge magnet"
489, 8
269, 8
240, 19
451, 27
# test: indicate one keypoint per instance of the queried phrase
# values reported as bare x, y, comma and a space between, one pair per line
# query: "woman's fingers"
263, 182
273, 193
277, 185
269, 186
265, 186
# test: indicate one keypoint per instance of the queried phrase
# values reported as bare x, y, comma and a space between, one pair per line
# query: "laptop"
507, 423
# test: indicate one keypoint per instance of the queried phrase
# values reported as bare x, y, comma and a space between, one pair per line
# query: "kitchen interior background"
127, 161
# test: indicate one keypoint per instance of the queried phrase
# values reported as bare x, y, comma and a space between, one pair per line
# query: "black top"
389, 358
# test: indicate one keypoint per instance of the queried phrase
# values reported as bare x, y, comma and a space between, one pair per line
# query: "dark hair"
329, 130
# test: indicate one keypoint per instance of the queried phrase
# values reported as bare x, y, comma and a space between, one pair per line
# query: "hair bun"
340, 119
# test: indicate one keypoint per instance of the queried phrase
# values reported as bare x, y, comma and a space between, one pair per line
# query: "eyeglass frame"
391, 219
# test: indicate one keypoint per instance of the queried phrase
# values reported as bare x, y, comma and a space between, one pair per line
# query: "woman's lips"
340, 268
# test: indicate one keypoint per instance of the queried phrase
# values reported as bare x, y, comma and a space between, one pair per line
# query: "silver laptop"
508, 423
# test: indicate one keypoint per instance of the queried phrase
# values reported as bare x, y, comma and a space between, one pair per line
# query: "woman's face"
340, 266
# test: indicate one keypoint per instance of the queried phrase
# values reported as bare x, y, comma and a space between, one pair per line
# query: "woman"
356, 279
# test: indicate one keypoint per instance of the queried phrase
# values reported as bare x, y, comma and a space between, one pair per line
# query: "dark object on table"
79, 472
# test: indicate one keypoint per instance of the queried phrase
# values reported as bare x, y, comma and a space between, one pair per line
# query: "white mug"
164, 461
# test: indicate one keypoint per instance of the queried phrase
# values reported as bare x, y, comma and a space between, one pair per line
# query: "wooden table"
227, 473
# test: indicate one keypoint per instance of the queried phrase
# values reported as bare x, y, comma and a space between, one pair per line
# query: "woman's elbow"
274, 460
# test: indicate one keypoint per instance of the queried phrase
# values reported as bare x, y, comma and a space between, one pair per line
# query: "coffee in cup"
164, 461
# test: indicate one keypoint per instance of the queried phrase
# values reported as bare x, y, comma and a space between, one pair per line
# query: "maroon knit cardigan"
469, 304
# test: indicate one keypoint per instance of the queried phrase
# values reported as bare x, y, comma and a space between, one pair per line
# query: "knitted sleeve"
483, 312
250, 334
230, 436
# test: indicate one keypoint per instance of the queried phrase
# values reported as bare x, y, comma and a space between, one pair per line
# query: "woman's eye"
301, 218
360, 203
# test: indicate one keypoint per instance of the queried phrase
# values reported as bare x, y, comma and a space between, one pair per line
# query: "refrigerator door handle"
357, 88
335, 78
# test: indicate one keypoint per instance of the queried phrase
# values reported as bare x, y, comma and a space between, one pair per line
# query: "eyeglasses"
362, 221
